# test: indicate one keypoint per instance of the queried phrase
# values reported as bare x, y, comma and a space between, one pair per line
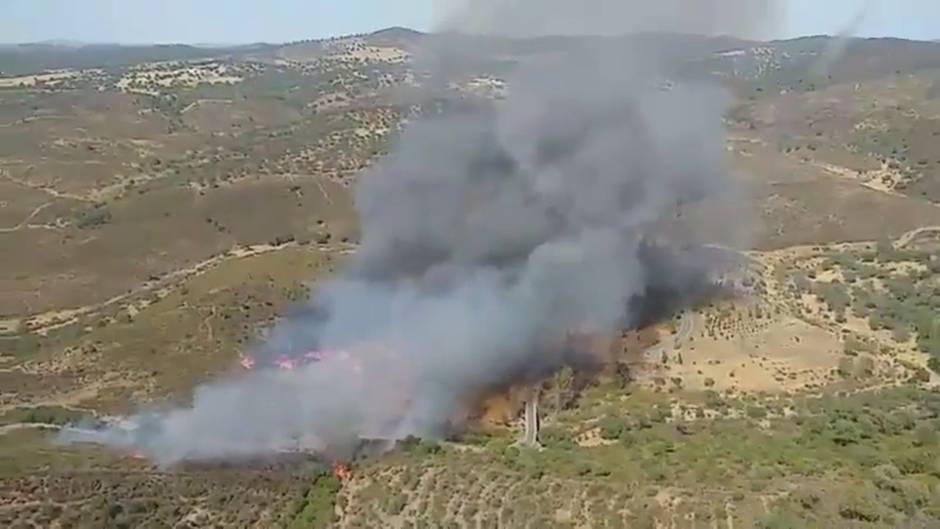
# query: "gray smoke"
490, 234
741, 18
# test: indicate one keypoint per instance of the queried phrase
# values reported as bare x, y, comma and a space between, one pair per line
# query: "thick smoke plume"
489, 235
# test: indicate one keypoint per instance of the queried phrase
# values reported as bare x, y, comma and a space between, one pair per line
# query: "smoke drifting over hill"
489, 235
525, 18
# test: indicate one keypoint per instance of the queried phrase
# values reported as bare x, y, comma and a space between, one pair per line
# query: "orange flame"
286, 363
247, 362
342, 471
315, 356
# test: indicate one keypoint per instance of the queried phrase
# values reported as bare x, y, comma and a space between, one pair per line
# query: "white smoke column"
488, 236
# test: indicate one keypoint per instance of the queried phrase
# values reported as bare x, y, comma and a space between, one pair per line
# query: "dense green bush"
835, 295
43, 415
93, 217
612, 428
318, 509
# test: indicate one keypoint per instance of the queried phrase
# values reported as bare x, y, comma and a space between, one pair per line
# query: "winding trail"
42, 188
30, 119
59, 318
684, 331
908, 237
686, 327
317, 179
24, 224
18, 426
200, 102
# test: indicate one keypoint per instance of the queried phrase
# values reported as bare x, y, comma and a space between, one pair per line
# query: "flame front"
285, 362
342, 471
247, 362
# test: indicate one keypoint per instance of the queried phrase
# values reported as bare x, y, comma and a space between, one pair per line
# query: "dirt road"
684, 330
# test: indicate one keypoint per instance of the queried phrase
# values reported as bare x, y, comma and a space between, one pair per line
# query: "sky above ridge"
244, 21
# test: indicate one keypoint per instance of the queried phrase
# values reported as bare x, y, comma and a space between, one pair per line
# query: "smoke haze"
526, 18
489, 235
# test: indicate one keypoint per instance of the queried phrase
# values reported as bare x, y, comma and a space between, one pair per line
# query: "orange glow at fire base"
342, 471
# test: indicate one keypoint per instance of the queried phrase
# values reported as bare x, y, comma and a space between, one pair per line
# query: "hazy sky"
240, 21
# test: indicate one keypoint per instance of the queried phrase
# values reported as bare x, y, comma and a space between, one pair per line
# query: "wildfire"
342, 471
315, 356
285, 362
375, 370
368, 363
290, 363
247, 362
350, 360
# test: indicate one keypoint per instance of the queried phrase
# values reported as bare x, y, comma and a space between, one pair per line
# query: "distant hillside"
30, 58
796, 64
809, 63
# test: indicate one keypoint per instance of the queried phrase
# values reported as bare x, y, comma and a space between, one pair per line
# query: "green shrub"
844, 433
901, 334
396, 504
27, 344
556, 437
318, 509
611, 427
834, 295
854, 346
756, 412
93, 218
934, 364
782, 519
860, 504
43, 415
916, 461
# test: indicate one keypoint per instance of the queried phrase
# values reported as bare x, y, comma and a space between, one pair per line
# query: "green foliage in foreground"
43, 415
868, 458
318, 509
